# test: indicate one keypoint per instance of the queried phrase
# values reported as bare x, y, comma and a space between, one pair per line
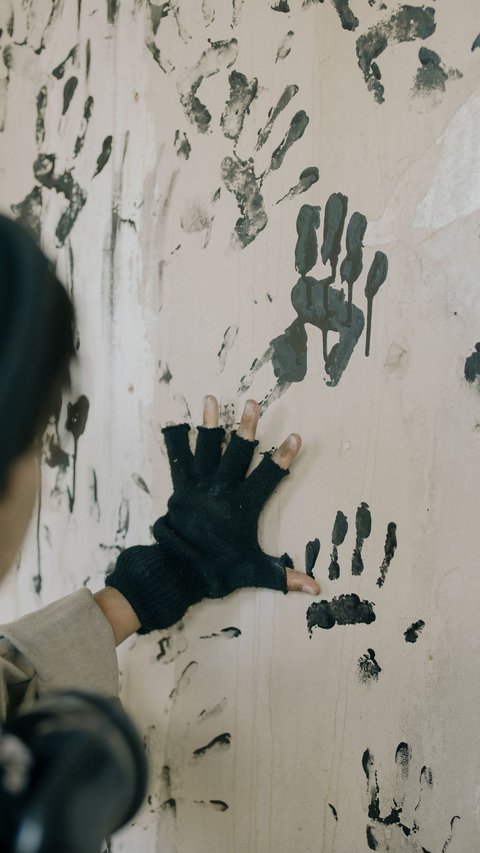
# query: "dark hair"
36, 342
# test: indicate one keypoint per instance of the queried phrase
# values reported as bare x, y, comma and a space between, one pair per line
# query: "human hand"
206, 543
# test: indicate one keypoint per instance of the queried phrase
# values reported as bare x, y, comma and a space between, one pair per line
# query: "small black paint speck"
68, 93
312, 551
412, 633
334, 811
368, 667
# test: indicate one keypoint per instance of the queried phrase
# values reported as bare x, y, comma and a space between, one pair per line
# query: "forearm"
118, 612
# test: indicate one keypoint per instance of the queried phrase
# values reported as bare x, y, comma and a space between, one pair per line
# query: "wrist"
119, 612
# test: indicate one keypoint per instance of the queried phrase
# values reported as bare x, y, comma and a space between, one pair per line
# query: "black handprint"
389, 832
317, 302
348, 609
48, 177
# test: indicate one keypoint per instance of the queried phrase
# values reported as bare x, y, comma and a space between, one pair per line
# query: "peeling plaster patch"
455, 189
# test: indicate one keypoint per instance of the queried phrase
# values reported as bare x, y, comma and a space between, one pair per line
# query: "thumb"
300, 582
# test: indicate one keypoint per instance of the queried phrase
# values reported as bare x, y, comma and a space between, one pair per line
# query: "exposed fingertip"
294, 441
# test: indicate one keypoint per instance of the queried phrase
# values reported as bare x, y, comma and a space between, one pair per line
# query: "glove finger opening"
236, 460
179, 453
263, 481
208, 450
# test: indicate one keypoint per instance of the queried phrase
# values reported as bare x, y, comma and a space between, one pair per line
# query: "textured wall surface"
205, 175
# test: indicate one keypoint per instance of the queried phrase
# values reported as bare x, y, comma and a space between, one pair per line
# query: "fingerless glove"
206, 545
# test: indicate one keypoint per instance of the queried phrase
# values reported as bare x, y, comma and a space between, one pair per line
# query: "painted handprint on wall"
319, 303
348, 608
391, 830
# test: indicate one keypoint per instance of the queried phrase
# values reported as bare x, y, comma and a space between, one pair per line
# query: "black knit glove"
206, 544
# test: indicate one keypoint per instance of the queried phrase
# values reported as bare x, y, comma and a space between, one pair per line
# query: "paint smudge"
368, 667
218, 805
140, 482
312, 550
208, 713
169, 803
229, 339
476, 43
165, 65
295, 132
68, 93
406, 24
59, 70
163, 645
182, 145
307, 178
218, 744
183, 680
199, 216
348, 20
346, 610
87, 114
41, 104
389, 548
340, 529
95, 506
157, 12
377, 275
285, 46
240, 179
77, 415
165, 373
389, 828
472, 365
44, 170
28, 212
220, 55
411, 634
306, 248
230, 633
432, 75
104, 155
281, 6
242, 93
363, 526
288, 93
334, 811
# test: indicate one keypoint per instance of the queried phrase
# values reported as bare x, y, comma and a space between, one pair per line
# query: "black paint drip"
333, 810
476, 43
220, 742
406, 24
77, 414
363, 525
368, 667
339, 532
472, 365
345, 610
312, 550
375, 278
390, 548
411, 634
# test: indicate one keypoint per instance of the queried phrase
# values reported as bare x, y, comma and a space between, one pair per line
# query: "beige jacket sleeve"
68, 644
